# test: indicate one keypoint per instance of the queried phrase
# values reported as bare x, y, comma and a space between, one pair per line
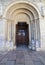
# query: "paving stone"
38, 63
10, 63
20, 61
2, 64
20, 64
19, 56
4, 60
1, 57
12, 58
34, 58
29, 62
22, 56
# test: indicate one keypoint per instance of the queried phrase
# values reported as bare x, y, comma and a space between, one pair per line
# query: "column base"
29, 47
14, 47
32, 48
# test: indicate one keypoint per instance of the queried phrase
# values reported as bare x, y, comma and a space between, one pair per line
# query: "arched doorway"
23, 12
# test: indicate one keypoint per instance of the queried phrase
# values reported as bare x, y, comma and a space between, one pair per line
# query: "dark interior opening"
22, 34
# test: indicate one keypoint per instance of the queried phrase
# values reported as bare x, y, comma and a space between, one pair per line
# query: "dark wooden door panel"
22, 34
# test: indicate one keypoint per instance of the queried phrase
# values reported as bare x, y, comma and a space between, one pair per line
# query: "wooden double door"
22, 34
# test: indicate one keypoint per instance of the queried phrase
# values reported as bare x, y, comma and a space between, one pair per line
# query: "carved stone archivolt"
22, 11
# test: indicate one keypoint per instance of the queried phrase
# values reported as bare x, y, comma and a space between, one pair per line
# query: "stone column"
29, 35
6, 32
14, 34
37, 33
10, 34
33, 35
9, 31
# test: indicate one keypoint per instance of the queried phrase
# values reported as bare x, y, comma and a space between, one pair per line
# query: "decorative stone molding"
22, 11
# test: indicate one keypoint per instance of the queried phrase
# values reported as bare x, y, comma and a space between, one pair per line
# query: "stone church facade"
22, 22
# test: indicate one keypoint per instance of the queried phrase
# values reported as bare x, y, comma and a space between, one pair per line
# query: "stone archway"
23, 11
